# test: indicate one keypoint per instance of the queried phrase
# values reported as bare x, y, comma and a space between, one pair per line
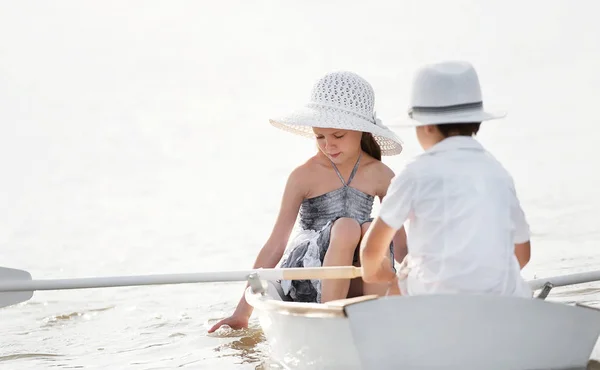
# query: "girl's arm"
271, 253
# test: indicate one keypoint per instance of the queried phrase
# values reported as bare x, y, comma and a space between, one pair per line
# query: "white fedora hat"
447, 92
341, 100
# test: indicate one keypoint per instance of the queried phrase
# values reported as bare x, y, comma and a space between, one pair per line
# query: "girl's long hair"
370, 146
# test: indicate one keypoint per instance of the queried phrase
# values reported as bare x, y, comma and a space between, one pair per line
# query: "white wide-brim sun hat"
444, 93
340, 100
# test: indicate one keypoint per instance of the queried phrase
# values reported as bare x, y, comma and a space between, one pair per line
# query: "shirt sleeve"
522, 232
397, 203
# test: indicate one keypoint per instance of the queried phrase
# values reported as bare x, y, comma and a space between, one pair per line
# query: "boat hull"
472, 332
309, 342
427, 332
306, 336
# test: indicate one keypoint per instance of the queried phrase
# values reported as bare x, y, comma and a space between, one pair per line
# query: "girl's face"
338, 145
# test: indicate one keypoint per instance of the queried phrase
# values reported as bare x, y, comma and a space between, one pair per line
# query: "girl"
333, 192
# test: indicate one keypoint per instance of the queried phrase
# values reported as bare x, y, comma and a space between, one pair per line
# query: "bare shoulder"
306, 168
380, 173
300, 178
386, 176
378, 169
386, 172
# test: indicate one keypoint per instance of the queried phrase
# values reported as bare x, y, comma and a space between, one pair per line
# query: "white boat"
465, 332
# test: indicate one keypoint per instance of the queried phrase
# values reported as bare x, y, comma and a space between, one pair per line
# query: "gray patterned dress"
317, 216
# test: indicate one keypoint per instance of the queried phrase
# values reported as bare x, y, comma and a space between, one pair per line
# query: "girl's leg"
356, 285
344, 238
377, 288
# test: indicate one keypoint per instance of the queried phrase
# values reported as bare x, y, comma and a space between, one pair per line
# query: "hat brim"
423, 119
302, 121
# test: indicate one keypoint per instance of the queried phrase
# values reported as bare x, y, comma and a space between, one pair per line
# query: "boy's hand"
384, 273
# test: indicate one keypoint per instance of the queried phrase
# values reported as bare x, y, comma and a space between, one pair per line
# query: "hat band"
329, 106
458, 108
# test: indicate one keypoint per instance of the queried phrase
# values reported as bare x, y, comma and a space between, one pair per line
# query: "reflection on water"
250, 346
19, 356
62, 318
247, 347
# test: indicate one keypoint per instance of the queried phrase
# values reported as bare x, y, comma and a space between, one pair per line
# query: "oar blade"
12, 298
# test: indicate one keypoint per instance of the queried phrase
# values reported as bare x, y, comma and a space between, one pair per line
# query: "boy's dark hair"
459, 129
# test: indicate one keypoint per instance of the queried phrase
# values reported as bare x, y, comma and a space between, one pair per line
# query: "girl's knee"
347, 228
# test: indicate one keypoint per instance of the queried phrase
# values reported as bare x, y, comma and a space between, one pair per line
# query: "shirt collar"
455, 143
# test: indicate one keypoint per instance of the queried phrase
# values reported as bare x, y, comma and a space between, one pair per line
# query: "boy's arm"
395, 209
523, 253
374, 253
400, 245
522, 232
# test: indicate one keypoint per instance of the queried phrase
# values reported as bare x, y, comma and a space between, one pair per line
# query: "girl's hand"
234, 321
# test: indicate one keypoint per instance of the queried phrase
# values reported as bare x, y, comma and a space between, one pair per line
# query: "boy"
468, 233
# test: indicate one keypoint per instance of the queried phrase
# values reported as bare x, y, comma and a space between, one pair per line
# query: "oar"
563, 280
16, 286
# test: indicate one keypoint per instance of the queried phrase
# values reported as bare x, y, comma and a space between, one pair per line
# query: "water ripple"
18, 356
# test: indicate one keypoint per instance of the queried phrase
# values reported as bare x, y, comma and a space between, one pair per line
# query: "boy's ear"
430, 129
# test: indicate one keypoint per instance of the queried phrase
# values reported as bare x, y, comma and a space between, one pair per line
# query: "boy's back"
467, 231
464, 221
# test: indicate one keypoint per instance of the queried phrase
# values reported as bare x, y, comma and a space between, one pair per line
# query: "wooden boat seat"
275, 291
348, 301
274, 300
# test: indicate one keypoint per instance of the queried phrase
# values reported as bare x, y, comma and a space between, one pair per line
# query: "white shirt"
464, 220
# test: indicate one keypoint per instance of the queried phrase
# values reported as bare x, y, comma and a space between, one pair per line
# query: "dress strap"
354, 169
338, 173
351, 174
